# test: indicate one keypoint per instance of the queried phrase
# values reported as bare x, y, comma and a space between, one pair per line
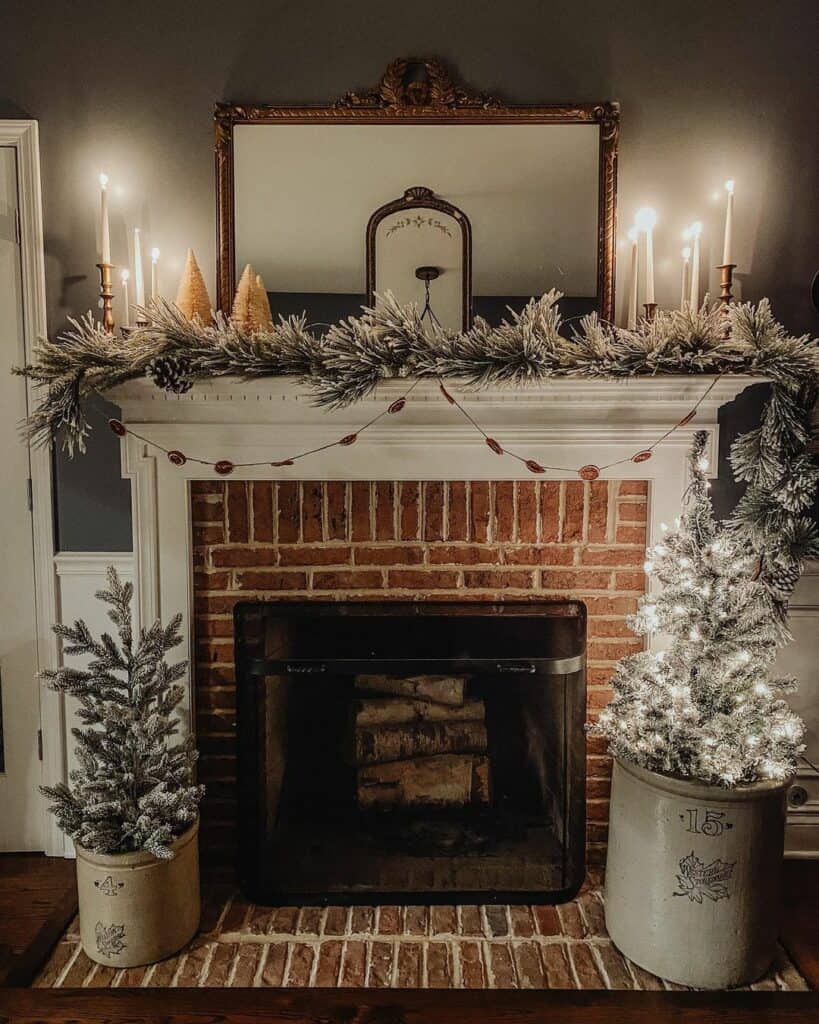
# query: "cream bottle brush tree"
251, 306
192, 299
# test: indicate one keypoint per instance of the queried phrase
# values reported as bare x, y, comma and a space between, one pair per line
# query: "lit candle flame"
646, 218
154, 255
729, 186
103, 181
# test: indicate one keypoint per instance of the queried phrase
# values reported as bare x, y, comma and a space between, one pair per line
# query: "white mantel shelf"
558, 420
274, 399
566, 422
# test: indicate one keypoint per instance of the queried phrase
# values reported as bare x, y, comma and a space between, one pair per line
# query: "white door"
21, 818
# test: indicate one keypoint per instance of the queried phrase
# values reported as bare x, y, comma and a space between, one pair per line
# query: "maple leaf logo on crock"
698, 880
110, 938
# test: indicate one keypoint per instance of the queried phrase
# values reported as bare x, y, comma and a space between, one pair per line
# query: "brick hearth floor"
240, 944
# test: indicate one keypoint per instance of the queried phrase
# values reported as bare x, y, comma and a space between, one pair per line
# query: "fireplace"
414, 511
411, 752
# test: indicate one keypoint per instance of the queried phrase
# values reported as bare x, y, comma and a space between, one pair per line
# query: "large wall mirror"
447, 198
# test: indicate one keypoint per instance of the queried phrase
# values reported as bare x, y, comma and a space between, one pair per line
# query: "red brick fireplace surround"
407, 540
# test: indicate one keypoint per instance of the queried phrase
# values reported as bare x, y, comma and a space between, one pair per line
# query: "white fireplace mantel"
567, 422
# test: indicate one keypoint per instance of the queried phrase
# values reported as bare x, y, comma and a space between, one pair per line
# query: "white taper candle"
694, 233
126, 301
685, 289
631, 312
139, 280
645, 220
728, 243
154, 273
105, 232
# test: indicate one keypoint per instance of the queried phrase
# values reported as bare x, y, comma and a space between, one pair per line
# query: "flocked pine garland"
391, 341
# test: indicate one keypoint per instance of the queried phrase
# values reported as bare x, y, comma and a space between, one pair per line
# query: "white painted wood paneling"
80, 575
21, 821
801, 659
22, 137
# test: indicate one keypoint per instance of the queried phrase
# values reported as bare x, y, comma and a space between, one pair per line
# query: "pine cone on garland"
782, 578
796, 491
170, 373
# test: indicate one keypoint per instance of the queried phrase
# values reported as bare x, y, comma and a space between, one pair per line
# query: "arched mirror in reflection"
418, 241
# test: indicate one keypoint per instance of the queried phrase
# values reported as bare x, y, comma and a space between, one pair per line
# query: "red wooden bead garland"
225, 467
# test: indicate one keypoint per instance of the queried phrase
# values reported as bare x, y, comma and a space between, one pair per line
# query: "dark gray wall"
708, 91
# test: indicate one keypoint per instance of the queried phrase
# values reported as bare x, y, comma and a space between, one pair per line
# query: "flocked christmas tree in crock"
133, 789
709, 706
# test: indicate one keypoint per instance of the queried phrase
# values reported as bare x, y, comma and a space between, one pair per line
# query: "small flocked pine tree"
133, 788
708, 706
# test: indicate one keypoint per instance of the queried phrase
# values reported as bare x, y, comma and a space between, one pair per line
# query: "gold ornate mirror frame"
420, 91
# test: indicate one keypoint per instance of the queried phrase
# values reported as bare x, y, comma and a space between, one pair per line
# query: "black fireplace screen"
393, 752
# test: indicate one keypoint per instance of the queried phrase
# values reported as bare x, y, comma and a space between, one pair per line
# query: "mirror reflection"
508, 211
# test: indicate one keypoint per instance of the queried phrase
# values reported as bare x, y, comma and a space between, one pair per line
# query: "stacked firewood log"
419, 742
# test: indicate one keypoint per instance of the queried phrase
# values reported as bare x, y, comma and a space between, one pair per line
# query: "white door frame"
23, 137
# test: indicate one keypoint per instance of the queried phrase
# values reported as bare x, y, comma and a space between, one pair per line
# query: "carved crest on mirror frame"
418, 82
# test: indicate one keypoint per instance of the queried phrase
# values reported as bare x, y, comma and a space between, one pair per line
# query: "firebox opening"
411, 752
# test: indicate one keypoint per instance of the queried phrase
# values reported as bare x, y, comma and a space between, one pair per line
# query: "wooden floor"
800, 918
38, 898
336, 1006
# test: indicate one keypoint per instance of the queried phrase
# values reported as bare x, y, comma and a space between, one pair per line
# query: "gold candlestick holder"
726, 282
651, 310
107, 296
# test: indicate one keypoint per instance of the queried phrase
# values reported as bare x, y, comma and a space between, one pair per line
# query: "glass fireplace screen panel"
357, 801
362, 778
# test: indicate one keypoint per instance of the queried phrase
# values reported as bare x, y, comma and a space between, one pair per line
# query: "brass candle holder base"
726, 282
651, 310
107, 296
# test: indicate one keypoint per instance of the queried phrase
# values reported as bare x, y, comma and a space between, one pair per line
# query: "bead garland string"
589, 471
224, 467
